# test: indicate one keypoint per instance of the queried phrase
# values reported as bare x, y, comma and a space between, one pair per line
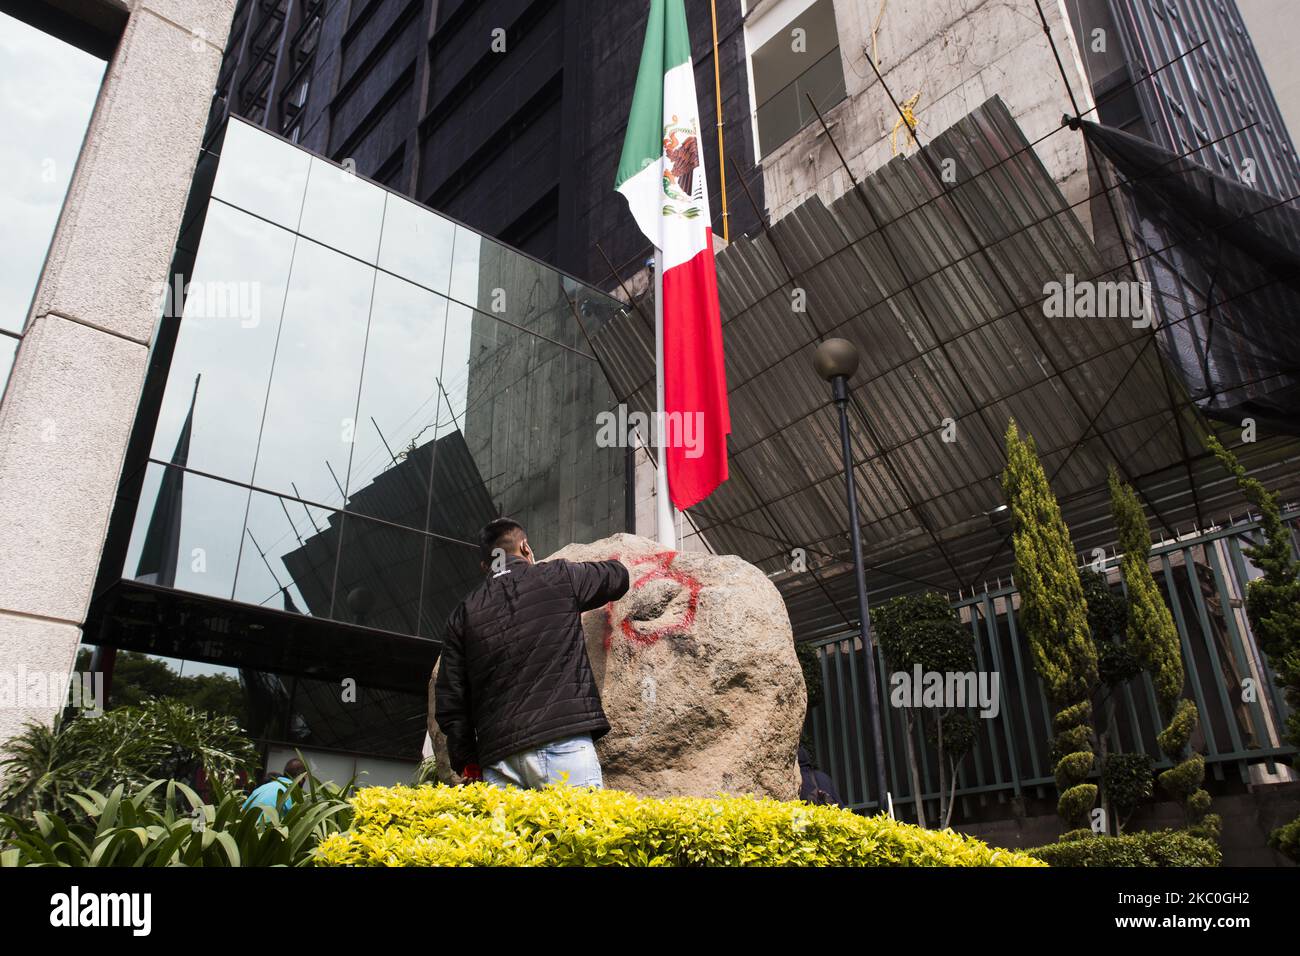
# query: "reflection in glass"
381, 423
378, 578
527, 410
451, 570
274, 708
416, 244
262, 174
505, 284
401, 396
232, 315
186, 532
343, 211
287, 562
49, 90
308, 431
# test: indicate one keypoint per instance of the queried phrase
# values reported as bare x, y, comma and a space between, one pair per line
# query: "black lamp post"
836, 361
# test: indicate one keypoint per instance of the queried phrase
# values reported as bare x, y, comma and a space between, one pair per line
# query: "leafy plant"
166, 823
1054, 617
1148, 848
43, 766
1126, 781
923, 630
480, 825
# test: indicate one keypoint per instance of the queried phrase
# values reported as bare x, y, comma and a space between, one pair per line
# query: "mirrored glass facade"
350, 387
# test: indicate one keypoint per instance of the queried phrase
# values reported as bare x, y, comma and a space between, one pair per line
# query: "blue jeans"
534, 768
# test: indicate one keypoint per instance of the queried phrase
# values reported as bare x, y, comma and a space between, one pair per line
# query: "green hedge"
1150, 848
479, 825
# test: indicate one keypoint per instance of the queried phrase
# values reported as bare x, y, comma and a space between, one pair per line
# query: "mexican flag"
661, 174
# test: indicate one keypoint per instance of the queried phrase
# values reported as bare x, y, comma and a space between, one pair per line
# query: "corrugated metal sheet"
949, 327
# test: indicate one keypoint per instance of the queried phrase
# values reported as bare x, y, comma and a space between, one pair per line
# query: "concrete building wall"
955, 54
1273, 31
67, 411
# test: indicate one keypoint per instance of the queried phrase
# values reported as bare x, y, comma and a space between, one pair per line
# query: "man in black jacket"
515, 694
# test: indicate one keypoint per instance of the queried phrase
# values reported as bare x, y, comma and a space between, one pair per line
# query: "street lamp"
836, 361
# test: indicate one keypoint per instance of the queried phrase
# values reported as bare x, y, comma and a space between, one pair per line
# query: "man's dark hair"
294, 768
504, 533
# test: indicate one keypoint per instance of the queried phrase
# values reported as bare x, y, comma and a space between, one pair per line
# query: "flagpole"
665, 518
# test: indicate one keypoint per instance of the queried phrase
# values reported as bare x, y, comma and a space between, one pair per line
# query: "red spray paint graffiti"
661, 569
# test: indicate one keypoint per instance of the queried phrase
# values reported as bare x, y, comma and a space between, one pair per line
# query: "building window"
38, 153
794, 54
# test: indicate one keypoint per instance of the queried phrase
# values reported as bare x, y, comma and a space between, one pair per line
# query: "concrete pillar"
68, 408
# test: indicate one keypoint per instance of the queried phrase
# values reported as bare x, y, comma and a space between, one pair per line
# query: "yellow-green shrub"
479, 825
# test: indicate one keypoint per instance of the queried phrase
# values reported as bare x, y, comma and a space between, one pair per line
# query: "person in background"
815, 786
267, 794
515, 694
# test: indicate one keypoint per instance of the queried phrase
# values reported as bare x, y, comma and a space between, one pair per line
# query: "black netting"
1224, 263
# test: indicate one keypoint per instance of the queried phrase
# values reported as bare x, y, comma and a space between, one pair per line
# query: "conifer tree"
1054, 617
1154, 638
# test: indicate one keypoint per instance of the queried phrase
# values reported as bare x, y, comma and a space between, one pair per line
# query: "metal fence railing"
1203, 578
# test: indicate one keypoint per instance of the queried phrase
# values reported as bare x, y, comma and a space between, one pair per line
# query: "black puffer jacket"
514, 671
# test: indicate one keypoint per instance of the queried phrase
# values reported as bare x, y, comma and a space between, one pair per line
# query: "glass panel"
593, 307
397, 416
262, 174
288, 556
343, 211
379, 721
307, 436
451, 570
503, 283
527, 413
416, 244
787, 111
378, 578
47, 93
186, 532
228, 333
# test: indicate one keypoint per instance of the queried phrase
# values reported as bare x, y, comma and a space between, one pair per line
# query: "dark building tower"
500, 113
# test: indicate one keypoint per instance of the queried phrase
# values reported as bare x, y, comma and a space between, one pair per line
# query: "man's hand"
472, 773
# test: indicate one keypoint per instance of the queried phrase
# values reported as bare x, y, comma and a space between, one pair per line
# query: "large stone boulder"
697, 674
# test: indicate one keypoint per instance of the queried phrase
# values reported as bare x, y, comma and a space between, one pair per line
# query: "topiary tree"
922, 630
1126, 782
1054, 617
1117, 663
1273, 601
1155, 640
810, 663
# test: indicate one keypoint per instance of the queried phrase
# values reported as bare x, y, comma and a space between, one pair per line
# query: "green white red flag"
661, 174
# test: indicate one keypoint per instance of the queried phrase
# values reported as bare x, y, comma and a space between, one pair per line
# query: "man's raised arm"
597, 582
